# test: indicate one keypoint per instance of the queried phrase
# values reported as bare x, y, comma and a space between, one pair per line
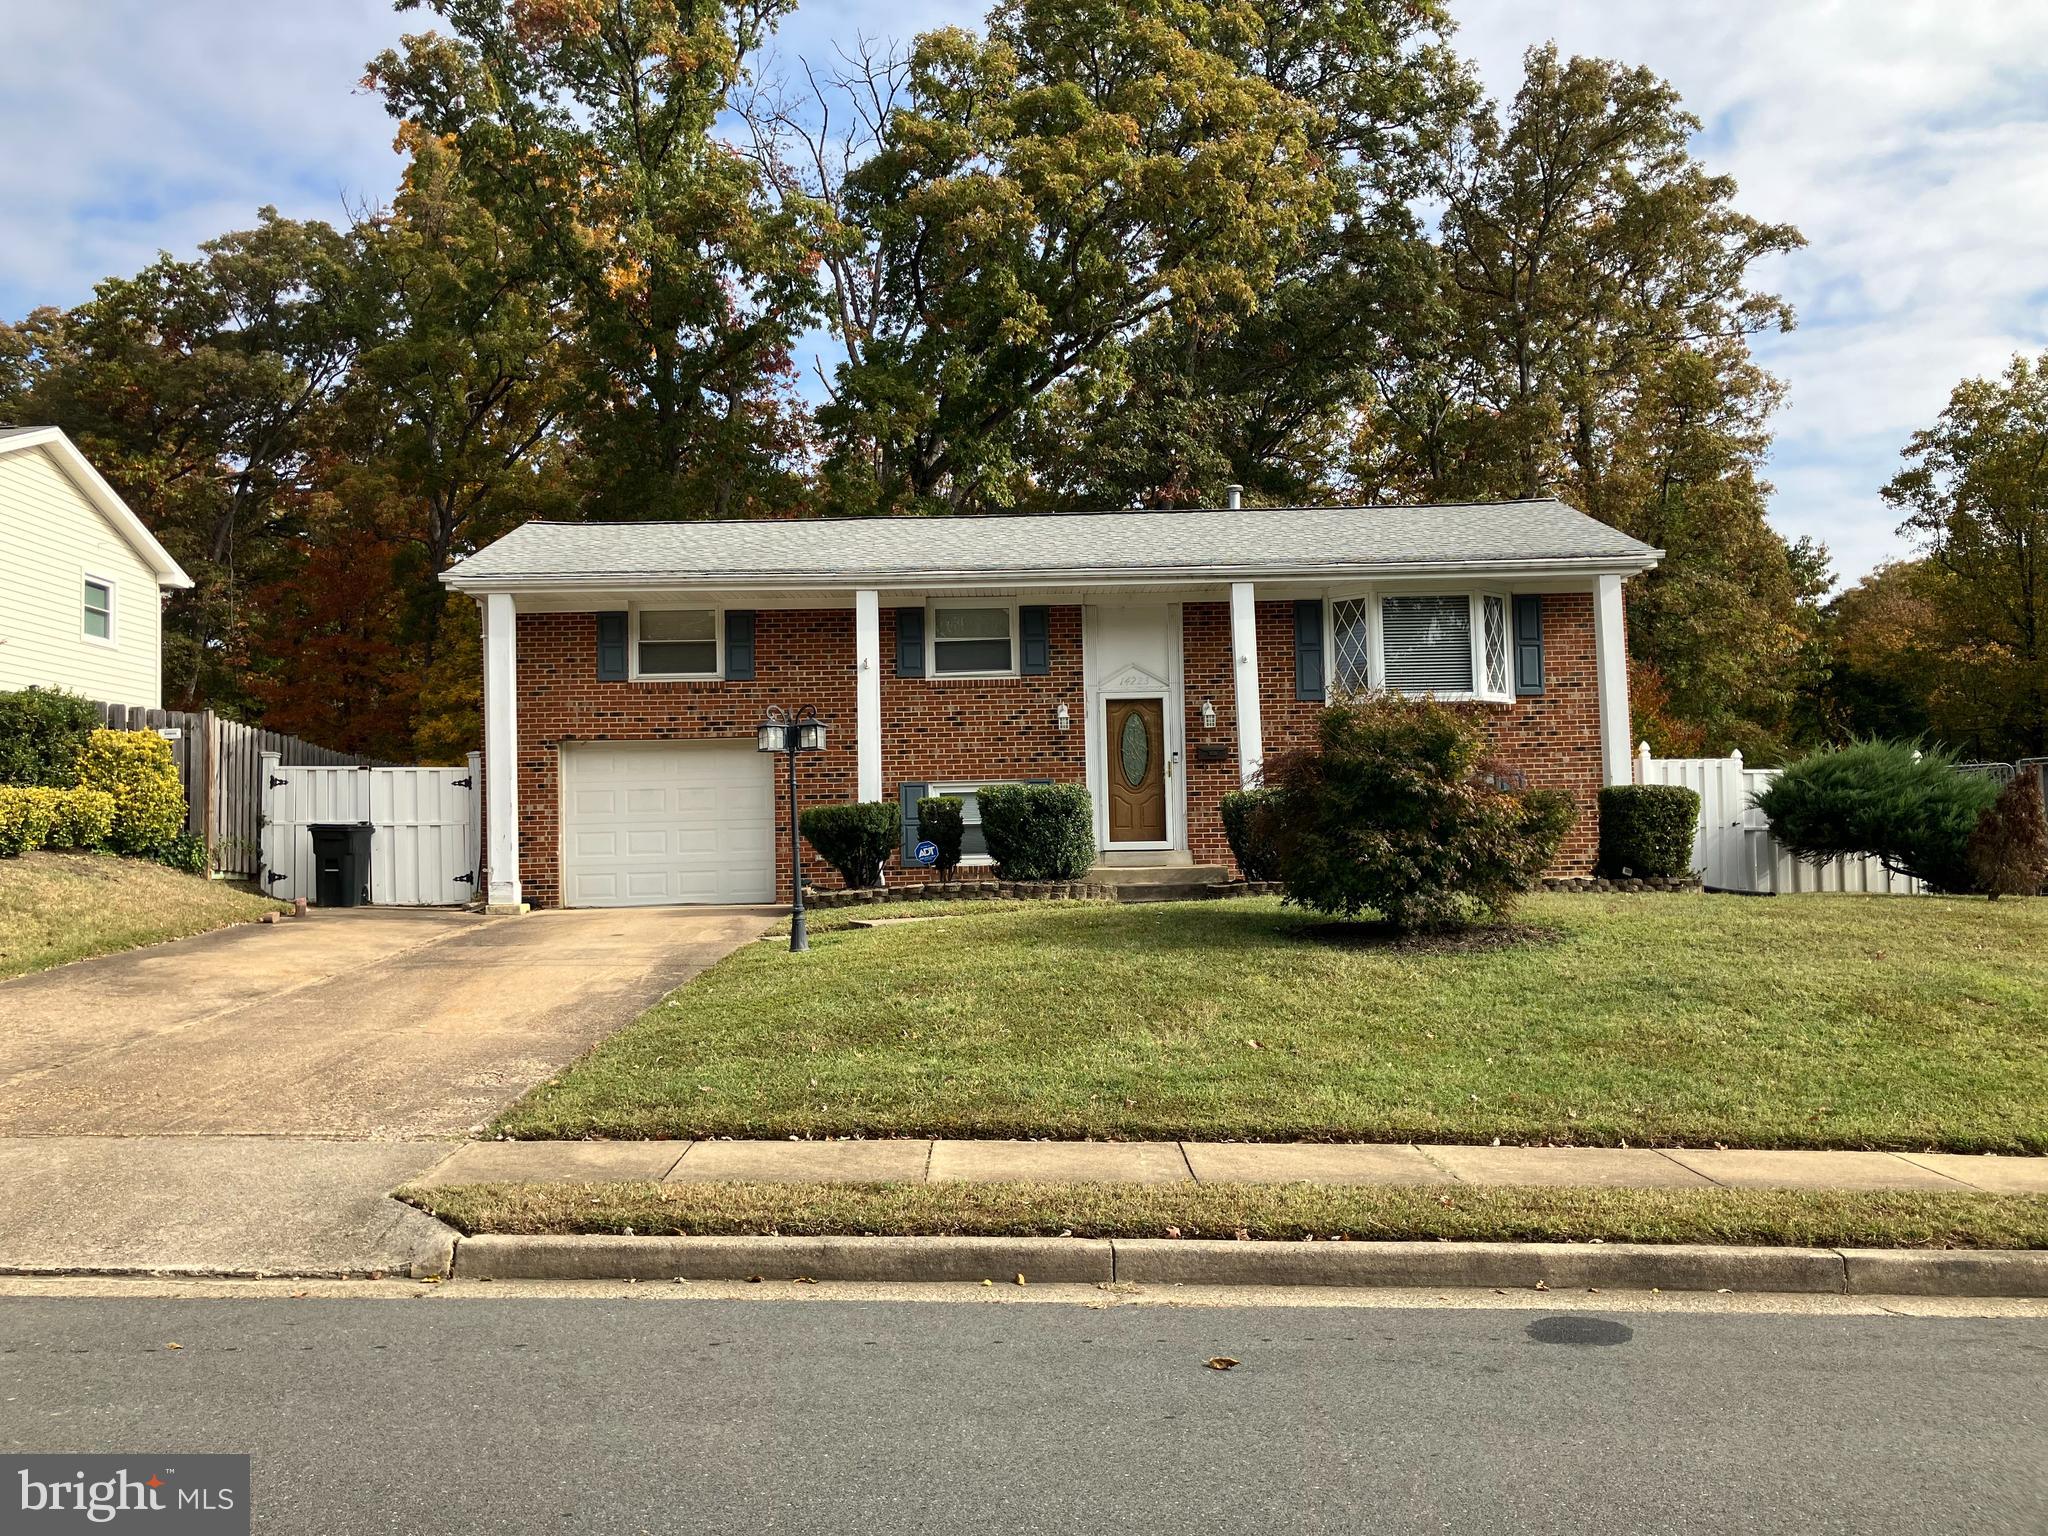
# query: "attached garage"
656, 823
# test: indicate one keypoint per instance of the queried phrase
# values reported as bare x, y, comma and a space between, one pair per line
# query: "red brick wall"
968, 730
1553, 738
952, 730
801, 657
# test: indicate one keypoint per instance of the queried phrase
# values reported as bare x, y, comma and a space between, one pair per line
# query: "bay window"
1453, 645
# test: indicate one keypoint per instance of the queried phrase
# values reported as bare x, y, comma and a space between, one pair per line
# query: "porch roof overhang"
1141, 549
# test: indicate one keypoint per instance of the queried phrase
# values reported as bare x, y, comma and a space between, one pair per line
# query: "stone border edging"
1174, 1261
1088, 890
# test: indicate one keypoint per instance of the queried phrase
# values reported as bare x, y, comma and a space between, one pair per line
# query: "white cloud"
1909, 142
1908, 139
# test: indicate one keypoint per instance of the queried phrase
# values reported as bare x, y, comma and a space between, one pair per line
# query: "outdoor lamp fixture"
1208, 714
793, 731
1060, 717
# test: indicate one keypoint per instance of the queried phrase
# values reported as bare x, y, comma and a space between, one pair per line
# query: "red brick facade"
940, 730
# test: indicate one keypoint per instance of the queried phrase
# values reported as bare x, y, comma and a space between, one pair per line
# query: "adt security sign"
926, 852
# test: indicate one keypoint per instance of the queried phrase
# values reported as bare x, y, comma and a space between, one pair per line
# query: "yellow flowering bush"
25, 816
136, 769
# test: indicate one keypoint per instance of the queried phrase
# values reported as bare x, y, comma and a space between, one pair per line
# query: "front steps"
1164, 877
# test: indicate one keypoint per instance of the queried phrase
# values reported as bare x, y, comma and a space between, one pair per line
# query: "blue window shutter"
1034, 644
910, 642
909, 795
611, 647
739, 643
1308, 650
1528, 643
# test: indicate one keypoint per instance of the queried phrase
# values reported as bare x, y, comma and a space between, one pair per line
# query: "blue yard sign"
927, 852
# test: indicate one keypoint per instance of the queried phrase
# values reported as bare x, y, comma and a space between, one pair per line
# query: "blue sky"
1907, 138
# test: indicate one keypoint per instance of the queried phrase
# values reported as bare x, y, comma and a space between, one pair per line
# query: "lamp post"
793, 731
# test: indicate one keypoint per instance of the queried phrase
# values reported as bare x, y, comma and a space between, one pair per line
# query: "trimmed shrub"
25, 816
2009, 848
940, 821
1251, 842
1881, 799
185, 853
1394, 810
854, 839
42, 731
80, 818
1038, 831
135, 767
1646, 830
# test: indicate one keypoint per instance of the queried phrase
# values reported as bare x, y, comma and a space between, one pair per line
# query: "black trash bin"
341, 863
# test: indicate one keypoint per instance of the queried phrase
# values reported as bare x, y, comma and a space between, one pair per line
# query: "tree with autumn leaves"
1091, 255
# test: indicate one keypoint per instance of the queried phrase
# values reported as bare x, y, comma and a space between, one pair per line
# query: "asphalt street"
586, 1415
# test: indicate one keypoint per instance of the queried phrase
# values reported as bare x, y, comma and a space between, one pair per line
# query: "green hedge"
1646, 830
940, 820
854, 839
1886, 800
1245, 825
1038, 831
42, 731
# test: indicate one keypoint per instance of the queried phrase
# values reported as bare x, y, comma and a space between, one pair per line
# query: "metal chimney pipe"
1233, 496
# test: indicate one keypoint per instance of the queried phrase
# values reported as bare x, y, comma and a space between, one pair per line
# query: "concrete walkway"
1196, 1162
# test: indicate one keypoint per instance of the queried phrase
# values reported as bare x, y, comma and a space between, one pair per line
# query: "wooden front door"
1135, 745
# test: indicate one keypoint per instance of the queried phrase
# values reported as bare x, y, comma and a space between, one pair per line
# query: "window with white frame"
675, 642
99, 609
973, 846
1450, 644
973, 642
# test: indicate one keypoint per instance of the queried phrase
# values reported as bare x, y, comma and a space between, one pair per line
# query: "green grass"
1810, 1021
58, 907
1799, 1218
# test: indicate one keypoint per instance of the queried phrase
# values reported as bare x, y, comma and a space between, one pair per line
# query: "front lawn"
1290, 1212
1810, 1021
57, 907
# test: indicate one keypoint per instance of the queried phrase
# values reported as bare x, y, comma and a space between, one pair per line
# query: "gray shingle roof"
1273, 542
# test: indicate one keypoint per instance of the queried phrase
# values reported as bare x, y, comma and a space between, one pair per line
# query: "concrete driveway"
200, 1104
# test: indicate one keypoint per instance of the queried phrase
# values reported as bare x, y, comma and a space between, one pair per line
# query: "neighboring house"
81, 580
1157, 657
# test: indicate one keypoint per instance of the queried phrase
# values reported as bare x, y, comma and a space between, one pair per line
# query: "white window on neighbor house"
973, 642
1453, 645
675, 643
99, 609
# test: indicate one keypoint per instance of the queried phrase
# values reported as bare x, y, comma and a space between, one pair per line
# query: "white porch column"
1610, 658
1244, 652
867, 647
501, 750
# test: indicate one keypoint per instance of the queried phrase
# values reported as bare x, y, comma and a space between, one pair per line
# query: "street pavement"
652, 1412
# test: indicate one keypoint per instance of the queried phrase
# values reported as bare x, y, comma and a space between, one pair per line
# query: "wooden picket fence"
220, 763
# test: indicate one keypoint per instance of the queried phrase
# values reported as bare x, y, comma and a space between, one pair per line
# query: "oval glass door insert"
1136, 748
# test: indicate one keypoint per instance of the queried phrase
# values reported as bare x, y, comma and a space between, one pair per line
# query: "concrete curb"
1043, 1260
1170, 1261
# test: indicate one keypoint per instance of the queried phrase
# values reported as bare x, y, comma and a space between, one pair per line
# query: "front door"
1135, 745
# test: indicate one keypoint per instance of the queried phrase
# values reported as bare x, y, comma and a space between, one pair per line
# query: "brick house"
1156, 657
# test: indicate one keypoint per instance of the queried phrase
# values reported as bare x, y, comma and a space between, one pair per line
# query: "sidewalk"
1193, 1162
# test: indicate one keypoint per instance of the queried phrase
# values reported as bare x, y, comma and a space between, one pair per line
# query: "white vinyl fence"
1733, 849
423, 846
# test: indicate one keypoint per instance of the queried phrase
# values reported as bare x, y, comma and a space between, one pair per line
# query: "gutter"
1173, 576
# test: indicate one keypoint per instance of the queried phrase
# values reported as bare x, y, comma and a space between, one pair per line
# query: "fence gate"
1733, 849
423, 846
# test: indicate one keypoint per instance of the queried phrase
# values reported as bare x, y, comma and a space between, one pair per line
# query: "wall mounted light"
1060, 717
1208, 714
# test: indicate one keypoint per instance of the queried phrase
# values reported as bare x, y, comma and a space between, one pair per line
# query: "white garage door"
648, 825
